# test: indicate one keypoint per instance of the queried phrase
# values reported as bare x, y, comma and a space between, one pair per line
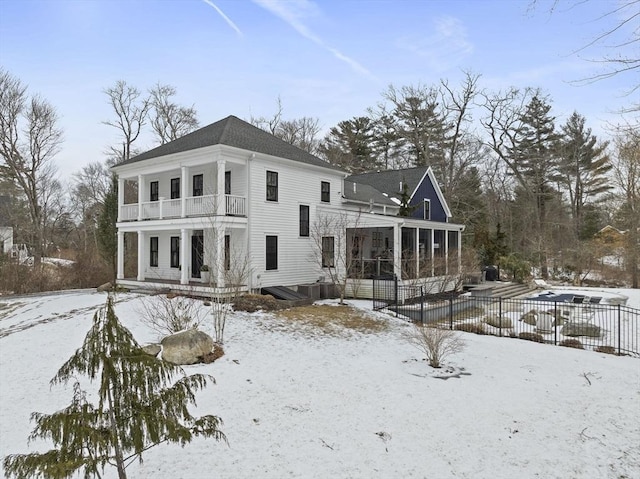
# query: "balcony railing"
193, 206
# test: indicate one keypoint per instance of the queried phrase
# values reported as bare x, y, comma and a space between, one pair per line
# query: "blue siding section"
426, 190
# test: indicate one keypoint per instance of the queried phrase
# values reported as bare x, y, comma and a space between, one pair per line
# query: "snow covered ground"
298, 403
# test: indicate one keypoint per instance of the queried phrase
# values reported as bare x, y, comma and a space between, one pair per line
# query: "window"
376, 239
153, 251
198, 185
153, 191
227, 182
304, 220
175, 251
227, 252
272, 252
328, 257
272, 186
325, 192
426, 209
175, 188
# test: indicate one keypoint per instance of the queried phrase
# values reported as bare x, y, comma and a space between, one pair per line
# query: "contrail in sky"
293, 13
226, 19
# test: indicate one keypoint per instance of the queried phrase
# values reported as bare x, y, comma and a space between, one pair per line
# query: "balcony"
206, 205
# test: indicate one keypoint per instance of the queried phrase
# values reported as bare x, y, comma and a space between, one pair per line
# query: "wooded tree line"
529, 188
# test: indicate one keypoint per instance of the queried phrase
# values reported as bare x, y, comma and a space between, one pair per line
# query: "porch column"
140, 196
432, 252
141, 248
416, 252
120, 196
184, 257
397, 251
446, 252
184, 187
221, 204
120, 267
219, 255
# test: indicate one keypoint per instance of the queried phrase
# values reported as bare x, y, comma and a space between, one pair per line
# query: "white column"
432, 253
184, 187
141, 250
184, 257
416, 252
140, 196
219, 255
221, 204
397, 251
446, 252
120, 267
120, 196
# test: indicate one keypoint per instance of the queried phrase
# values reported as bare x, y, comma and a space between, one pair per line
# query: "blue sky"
325, 59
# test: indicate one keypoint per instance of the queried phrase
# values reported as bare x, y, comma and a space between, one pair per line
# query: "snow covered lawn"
298, 402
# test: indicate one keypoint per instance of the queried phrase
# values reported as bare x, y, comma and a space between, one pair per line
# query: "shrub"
255, 302
476, 328
436, 343
531, 337
169, 314
606, 349
571, 343
214, 355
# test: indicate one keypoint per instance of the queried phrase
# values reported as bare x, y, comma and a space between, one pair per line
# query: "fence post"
555, 319
500, 315
450, 313
395, 282
619, 332
421, 305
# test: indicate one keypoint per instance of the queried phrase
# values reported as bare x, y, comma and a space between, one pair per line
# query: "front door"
197, 253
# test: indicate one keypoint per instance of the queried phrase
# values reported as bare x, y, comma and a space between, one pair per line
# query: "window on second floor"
175, 251
175, 188
153, 191
426, 209
153, 251
272, 252
198, 185
325, 192
227, 182
304, 220
272, 186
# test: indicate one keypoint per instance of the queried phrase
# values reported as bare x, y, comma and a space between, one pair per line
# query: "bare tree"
131, 110
169, 120
90, 187
29, 140
626, 177
335, 241
302, 132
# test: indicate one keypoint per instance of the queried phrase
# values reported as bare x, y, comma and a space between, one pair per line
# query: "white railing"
194, 206
201, 205
129, 212
235, 205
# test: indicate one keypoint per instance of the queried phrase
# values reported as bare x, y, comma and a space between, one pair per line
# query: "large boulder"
581, 329
498, 321
544, 323
530, 317
186, 347
152, 349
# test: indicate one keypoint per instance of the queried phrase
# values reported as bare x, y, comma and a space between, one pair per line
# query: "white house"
230, 192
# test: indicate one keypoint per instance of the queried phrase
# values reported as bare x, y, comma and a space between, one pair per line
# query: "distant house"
231, 190
6, 231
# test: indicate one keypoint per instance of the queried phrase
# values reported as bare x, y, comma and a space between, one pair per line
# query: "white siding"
297, 185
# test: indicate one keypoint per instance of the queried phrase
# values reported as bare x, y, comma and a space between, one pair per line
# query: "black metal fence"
611, 328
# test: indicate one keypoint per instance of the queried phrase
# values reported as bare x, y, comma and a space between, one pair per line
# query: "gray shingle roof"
365, 193
232, 131
389, 181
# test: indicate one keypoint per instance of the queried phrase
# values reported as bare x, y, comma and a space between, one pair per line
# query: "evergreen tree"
584, 167
139, 406
405, 208
535, 164
107, 230
349, 145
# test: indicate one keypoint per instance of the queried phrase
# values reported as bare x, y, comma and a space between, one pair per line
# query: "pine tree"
107, 230
139, 406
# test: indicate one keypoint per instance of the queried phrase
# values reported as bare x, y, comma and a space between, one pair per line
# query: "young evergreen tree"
138, 406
